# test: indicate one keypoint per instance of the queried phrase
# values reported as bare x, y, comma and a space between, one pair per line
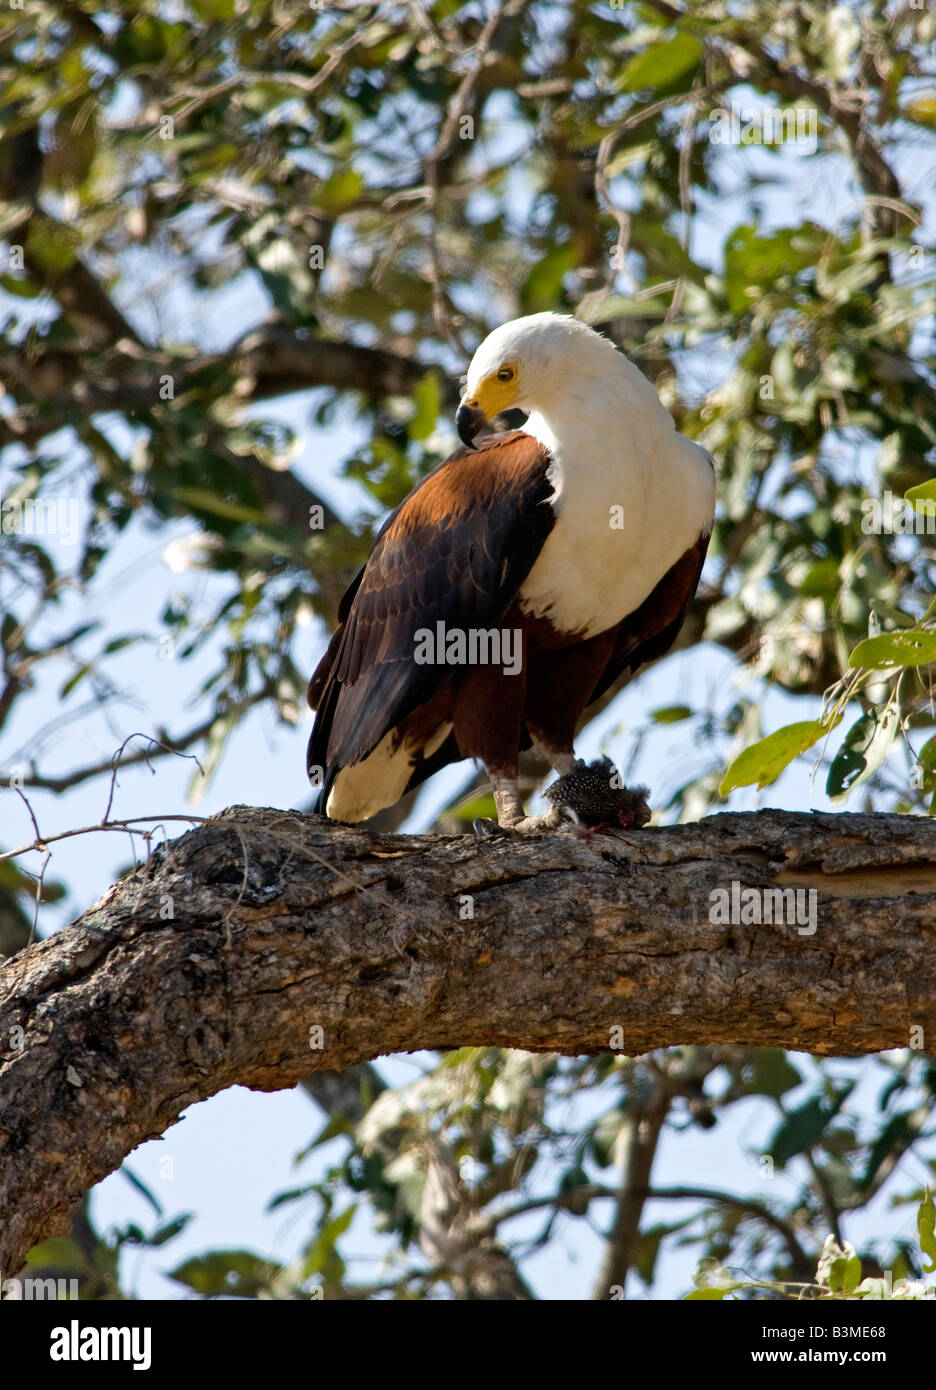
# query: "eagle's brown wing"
455, 551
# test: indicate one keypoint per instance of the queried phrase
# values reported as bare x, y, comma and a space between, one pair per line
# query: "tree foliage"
384, 183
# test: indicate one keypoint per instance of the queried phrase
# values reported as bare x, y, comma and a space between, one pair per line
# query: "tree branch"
274, 360
802, 1266
643, 1136
162, 744
217, 963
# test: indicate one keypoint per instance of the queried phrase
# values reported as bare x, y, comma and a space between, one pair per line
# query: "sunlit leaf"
926, 1227
662, 63
763, 762
916, 647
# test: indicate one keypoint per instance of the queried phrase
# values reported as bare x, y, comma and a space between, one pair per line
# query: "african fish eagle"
517, 581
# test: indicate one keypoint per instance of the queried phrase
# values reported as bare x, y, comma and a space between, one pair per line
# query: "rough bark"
215, 963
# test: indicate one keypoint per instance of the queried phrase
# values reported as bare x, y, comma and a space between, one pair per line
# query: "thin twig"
146, 753
32, 815
119, 825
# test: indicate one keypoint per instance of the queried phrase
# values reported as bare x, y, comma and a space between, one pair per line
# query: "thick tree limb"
218, 962
273, 360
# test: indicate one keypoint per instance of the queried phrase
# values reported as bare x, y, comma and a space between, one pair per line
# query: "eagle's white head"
530, 364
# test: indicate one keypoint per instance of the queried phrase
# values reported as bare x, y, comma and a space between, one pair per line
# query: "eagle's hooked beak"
469, 421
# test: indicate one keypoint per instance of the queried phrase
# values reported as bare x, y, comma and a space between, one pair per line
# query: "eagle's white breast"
631, 496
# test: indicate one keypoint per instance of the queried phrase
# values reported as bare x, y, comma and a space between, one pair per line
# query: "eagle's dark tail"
321, 773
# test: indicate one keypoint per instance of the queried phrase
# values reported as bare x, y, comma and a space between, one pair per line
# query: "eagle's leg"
510, 812
560, 762
559, 686
494, 742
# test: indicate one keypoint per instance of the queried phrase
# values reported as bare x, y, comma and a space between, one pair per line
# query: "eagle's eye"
505, 374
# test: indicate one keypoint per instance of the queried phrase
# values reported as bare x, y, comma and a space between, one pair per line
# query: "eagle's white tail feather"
379, 781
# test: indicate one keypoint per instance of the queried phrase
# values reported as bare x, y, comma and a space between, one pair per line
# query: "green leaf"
618, 306
542, 287
142, 1188
84, 670
202, 499
926, 1226
709, 1295
322, 1256
335, 1124
670, 714
292, 1194
149, 40
23, 289
16, 882
844, 1275
478, 806
59, 1252
282, 264
131, 1234
915, 647
573, 1178
163, 1234
117, 644
604, 1138
922, 110
663, 253
822, 580
236, 1273
55, 246
864, 748
426, 399
894, 1139
339, 190
753, 260
771, 1073
648, 1248
384, 469
218, 736
763, 762
927, 765
804, 1126
215, 9
260, 98
925, 493
661, 64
